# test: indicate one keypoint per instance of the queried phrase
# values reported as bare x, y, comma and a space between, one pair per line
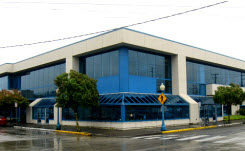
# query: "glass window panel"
151, 65
106, 65
31, 80
97, 66
114, 57
142, 64
132, 62
168, 71
90, 66
160, 67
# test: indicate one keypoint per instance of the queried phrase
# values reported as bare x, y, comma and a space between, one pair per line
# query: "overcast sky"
219, 28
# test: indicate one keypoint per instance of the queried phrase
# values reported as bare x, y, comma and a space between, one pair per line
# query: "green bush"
234, 117
241, 112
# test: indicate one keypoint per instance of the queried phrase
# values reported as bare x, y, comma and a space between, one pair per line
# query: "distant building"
130, 67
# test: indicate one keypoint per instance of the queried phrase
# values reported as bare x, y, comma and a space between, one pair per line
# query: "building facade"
130, 67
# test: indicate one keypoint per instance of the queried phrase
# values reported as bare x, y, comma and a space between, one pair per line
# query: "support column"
123, 113
179, 85
123, 70
72, 63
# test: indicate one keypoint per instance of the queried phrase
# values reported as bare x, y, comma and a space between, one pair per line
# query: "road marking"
210, 138
191, 138
152, 137
230, 140
167, 138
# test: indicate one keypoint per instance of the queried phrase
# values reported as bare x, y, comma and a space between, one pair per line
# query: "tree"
229, 95
9, 97
76, 89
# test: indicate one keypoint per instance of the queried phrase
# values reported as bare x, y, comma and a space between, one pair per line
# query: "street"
222, 138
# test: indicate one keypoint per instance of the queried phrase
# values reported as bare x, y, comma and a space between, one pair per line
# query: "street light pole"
58, 127
163, 127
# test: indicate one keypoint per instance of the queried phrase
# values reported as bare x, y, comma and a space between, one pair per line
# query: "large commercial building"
130, 67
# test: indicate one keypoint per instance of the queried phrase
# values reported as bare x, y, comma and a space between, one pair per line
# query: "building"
130, 67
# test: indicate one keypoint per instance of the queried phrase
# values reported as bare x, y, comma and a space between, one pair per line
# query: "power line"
103, 31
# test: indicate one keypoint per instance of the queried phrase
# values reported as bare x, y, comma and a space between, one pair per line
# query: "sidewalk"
124, 133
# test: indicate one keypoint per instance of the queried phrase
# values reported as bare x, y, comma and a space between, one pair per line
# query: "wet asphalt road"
223, 138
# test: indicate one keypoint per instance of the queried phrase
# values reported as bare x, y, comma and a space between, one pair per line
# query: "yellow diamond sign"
162, 98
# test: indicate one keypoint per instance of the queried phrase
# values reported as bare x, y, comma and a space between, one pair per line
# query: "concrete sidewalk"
125, 133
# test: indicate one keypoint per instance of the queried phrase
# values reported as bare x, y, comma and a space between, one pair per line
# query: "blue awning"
46, 103
203, 99
139, 99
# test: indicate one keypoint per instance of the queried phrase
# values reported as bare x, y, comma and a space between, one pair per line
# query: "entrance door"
47, 115
206, 112
39, 115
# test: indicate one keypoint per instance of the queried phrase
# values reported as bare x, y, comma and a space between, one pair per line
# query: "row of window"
209, 110
198, 75
41, 77
132, 113
40, 83
42, 113
149, 65
102, 65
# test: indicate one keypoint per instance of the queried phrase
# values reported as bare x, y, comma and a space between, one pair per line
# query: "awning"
46, 102
139, 99
203, 99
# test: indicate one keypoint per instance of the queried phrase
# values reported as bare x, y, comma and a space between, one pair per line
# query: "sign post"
16, 106
162, 98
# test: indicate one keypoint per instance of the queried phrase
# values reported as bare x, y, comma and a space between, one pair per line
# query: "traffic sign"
162, 98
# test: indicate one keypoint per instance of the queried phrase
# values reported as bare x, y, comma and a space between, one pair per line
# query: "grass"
234, 117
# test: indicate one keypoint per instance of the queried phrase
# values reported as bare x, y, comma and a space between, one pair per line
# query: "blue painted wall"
108, 84
142, 84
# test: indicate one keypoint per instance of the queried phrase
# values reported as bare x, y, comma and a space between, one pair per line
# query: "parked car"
3, 120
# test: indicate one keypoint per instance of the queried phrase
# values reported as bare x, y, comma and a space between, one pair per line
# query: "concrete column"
179, 85
72, 63
234, 109
179, 80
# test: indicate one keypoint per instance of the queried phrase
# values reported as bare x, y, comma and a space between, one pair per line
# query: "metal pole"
16, 115
19, 115
163, 127
58, 120
216, 114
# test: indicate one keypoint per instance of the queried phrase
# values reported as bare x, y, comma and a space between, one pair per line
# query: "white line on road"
191, 138
210, 138
167, 138
152, 137
230, 140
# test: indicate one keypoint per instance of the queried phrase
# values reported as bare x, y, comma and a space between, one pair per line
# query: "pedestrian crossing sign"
162, 98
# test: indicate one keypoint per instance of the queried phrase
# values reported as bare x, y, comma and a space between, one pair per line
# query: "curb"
198, 128
70, 132
51, 130
188, 129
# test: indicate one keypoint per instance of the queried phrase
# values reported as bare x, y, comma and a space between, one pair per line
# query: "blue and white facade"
130, 67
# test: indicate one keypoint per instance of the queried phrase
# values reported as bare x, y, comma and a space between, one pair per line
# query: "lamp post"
58, 127
163, 127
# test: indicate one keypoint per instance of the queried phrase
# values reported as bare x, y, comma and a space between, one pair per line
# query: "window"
102, 113
40, 83
150, 65
102, 65
198, 75
4, 82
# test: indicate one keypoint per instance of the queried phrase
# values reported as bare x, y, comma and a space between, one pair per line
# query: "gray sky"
219, 29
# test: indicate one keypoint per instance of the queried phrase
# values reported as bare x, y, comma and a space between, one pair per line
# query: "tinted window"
102, 65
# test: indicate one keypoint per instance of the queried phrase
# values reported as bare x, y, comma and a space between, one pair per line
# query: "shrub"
241, 112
